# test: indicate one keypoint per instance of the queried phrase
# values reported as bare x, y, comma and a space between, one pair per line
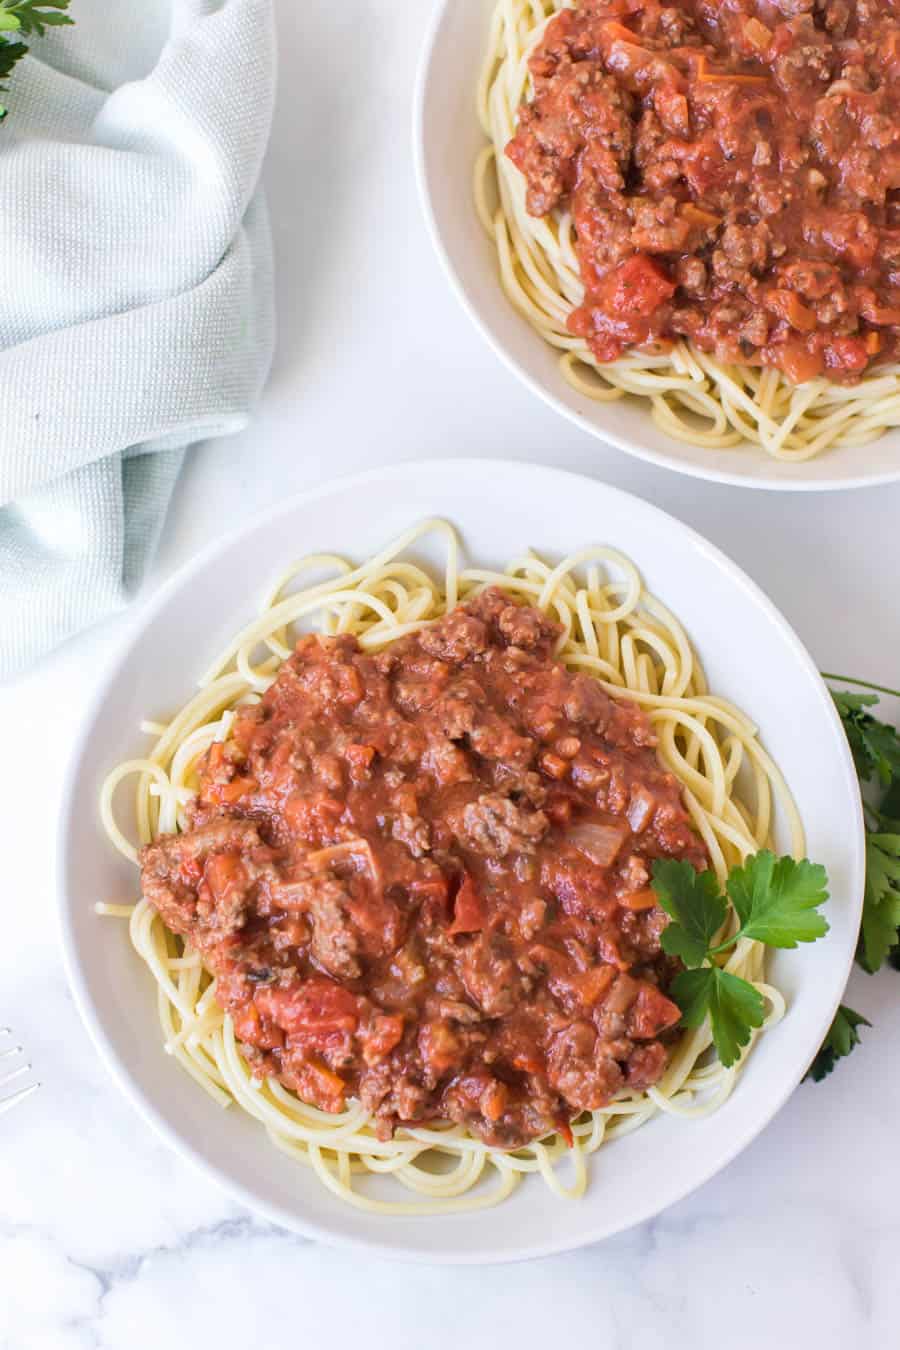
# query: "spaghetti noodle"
693, 395
613, 630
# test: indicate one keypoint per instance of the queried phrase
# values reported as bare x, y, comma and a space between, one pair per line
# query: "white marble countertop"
106, 1239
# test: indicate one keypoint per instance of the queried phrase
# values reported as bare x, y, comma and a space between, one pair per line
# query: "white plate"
751, 656
447, 138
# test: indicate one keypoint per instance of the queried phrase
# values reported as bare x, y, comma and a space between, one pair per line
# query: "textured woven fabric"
136, 308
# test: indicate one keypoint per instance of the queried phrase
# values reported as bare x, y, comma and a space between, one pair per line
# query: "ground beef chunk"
495, 826
491, 977
335, 942
580, 1070
186, 907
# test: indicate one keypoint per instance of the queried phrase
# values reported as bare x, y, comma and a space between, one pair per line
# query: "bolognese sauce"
421, 878
732, 168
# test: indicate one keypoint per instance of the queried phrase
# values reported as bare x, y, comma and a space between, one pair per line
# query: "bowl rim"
122, 1072
763, 482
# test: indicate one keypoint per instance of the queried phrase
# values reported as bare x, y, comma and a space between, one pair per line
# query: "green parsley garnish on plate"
775, 900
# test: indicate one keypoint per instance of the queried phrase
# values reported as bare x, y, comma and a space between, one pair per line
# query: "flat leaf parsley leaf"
876, 752
843, 1036
875, 745
881, 906
776, 899
693, 902
776, 902
24, 17
33, 16
734, 1007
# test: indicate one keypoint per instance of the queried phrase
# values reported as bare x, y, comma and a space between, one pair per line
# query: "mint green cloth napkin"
136, 311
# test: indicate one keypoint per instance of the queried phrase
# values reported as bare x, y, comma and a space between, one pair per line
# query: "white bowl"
447, 138
751, 656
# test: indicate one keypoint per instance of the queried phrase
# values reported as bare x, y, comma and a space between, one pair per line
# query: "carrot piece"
638, 900
706, 76
786, 305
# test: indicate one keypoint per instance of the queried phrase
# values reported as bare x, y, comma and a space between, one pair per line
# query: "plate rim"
121, 1073
766, 482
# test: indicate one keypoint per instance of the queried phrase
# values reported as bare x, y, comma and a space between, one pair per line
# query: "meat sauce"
732, 168
422, 880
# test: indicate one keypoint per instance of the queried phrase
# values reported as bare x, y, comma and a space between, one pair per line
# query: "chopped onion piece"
598, 842
640, 809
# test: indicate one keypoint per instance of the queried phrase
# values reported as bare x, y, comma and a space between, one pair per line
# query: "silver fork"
17, 1080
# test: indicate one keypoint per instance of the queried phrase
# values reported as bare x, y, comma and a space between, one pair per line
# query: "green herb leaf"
691, 990
875, 745
10, 53
733, 1005
842, 1037
693, 902
881, 905
25, 17
776, 899
890, 807
34, 16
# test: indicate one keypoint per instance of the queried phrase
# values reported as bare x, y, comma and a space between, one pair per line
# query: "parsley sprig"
875, 746
843, 1036
775, 900
876, 753
20, 18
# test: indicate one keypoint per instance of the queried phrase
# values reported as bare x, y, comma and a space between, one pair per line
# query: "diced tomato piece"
215, 757
468, 909
224, 872
787, 306
797, 361
635, 288
320, 1086
847, 353
255, 1030
313, 815
316, 1009
440, 1047
383, 1034
650, 1013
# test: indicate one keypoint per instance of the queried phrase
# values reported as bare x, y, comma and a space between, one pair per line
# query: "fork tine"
14, 1073
17, 1080
19, 1096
